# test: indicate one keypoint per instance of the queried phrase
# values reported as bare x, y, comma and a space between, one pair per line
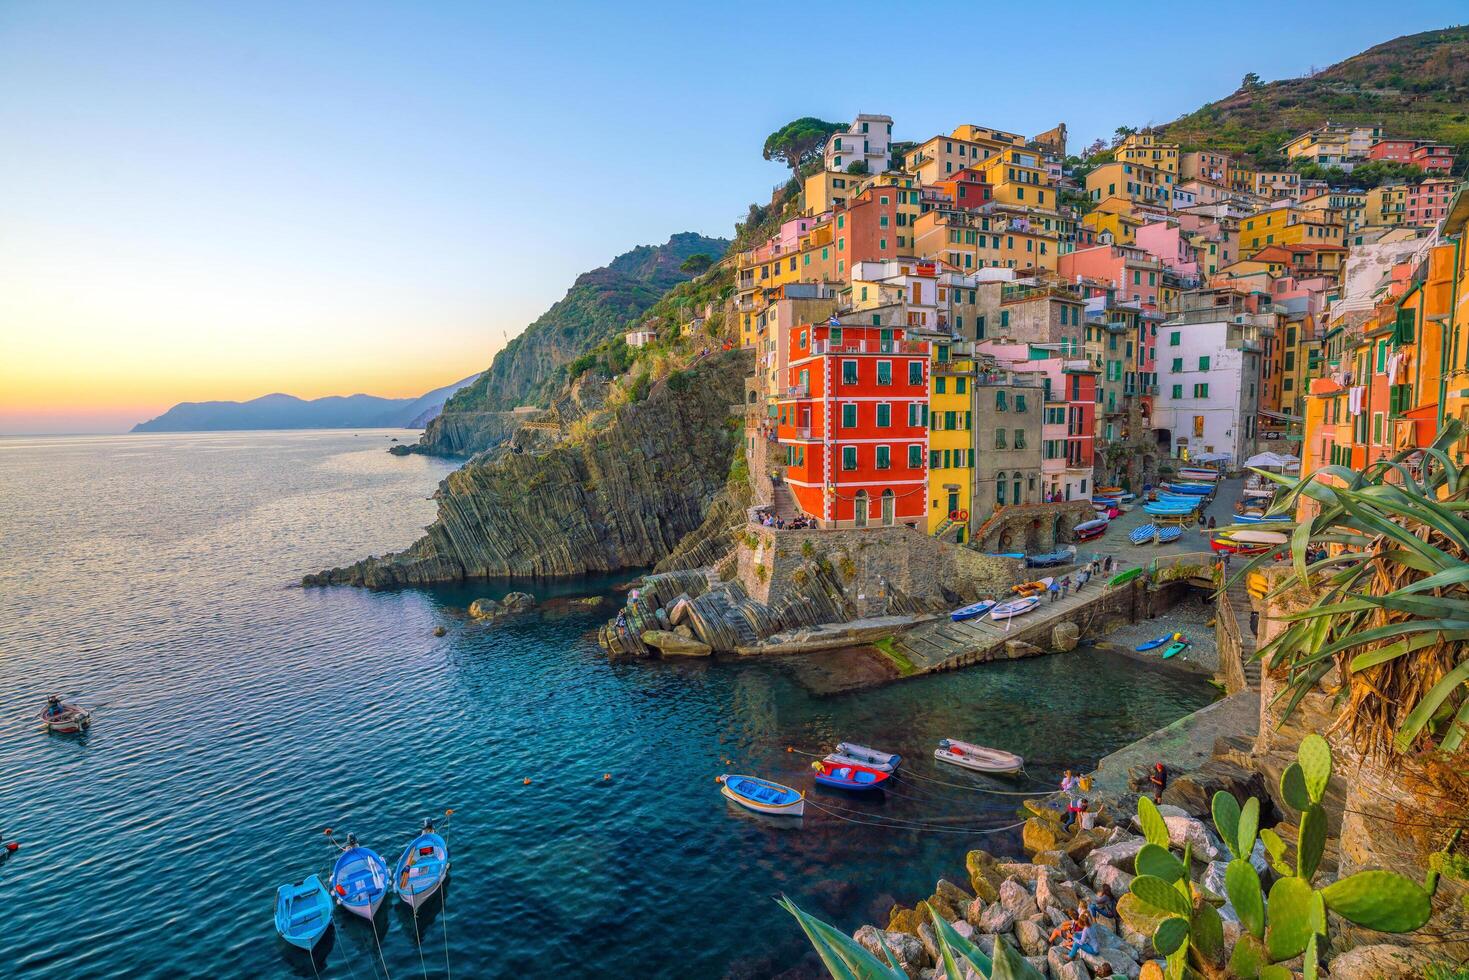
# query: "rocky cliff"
621, 495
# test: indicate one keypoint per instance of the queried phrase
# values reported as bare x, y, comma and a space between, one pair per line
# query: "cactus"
1293, 920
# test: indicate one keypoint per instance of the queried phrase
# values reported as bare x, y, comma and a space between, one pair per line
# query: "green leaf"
1311, 966
1159, 894
1293, 787
1206, 930
1288, 913
1275, 971
1248, 957
1225, 809
1242, 882
1311, 842
1379, 900
1249, 822
1413, 725
1391, 651
1315, 758
1171, 933
956, 947
843, 957
1148, 817
1275, 849
1010, 965
1156, 861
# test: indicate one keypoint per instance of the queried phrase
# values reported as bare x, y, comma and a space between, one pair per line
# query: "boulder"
1380, 961
996, 919
946, 909
1055, 894
1041, 834
1031, 937
1114, 878
1190, 830
1084, 842
673, 645
930, 943
974, 912
982, 875
1122, 965
1015, 897
1194, 791
1023, 870
1037, 963
1063, 968
1065, 637
1136, 925
906, 920
518, 601
485, 609
1059, 860
439, 631
952, 893
907, 951
1019, 650
1122, 856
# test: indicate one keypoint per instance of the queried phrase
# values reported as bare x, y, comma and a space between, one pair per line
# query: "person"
1083, 940
1054, 590
1068, 785
1074, 810
1159, 779
1212, 523
1104, 906
1064, 931
1065, 585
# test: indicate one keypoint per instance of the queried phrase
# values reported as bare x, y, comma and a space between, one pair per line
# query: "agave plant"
847, 959
1389, 603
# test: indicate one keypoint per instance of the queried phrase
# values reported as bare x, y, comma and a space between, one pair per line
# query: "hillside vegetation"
1413, 86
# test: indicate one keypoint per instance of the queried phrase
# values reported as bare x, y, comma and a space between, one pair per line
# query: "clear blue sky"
203, 200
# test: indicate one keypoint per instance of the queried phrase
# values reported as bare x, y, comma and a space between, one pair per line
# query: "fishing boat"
972, 610
763, 796
1194, 489
303, 912
1140, 534
359, 879
1156, 643
1168, 497
423, 867
847, 776
1198, 473
1051, 558
1167, 535
1168, 510
1174, 649
851, 752
1015, 607
1237, 541
1087, 530
1108, 490
63, 717
1033, 588
980, 758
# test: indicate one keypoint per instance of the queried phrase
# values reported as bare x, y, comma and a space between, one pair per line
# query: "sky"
219, 201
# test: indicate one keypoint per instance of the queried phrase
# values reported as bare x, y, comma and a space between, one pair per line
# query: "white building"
1209, 362
637, 338
867, 141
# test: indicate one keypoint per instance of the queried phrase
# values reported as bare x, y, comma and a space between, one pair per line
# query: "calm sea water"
239, 715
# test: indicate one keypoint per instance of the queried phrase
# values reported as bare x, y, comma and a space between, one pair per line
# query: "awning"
1273, 461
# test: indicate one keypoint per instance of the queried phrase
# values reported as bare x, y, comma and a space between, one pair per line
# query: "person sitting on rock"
1083, 940
1104, 906
1064, 931
1074, 811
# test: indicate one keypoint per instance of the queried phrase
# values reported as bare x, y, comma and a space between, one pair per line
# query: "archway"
859, 515
889, 508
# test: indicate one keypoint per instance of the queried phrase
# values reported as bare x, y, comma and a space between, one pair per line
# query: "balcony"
870, 347
798, 391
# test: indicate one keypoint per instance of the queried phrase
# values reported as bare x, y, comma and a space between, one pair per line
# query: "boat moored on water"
359, 879
979, 758
63, 717
849, 776
303, 912
422, 868
762, 795
851, 752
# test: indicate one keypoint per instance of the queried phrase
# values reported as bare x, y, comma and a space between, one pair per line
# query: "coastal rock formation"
515, 602
620, 496
465, 433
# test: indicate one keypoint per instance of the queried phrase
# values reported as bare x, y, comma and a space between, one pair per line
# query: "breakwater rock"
620, 495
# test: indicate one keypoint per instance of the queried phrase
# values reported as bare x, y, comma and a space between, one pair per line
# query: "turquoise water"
240, 715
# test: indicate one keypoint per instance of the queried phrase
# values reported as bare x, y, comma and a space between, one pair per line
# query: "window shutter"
1404, 332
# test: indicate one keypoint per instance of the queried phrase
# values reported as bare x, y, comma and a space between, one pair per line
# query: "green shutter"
1403, 334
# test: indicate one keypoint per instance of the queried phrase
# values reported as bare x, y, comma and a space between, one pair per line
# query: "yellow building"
1122, 226
1133, 182
1147, 150
1289, 225
951, 435
1331, 146
1204, 165
1240, 179
1017, 177
1385, 205
968, 240
827, 189
1276, 184
943, 156
1351, 206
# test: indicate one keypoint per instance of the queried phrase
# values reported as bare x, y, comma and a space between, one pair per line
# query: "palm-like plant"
1389, 604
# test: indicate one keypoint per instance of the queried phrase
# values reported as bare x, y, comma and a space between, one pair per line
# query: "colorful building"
1148, 150
1428, 201
1132, 181
951, 444
865, 142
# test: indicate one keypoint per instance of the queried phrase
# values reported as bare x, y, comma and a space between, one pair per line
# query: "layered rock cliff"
621, 494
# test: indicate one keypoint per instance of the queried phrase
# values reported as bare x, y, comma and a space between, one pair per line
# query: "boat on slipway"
762, 795
1015, 607
1167, 535
1153, 644
851, 753
1139, 535
972, 610
1087, 530
1048, 558
979, 758
1174, 649
1033, 588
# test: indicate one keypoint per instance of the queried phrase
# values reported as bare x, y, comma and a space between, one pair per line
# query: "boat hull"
414, 889
978, 758
359, 882
786, 802
970, 611
866, 757
303, 913
1018, 607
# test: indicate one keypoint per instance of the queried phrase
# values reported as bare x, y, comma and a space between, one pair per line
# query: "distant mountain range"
289, 412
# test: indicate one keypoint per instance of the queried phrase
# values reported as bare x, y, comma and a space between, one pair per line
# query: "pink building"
1166, 241
1133, 273
1068, 420
1428, 202
1397, 151
1433, 158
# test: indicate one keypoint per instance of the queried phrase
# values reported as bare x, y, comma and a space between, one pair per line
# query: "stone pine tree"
799, 142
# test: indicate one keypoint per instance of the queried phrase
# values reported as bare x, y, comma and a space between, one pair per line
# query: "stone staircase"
783, 504
1240, 602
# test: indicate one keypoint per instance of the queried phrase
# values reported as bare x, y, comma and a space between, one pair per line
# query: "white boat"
1015, 607
980, 758
849, 753
762, 795
1258, 537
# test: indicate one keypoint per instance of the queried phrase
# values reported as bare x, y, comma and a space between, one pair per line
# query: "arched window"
1000, 488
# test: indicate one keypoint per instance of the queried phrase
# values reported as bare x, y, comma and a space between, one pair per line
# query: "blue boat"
1175, 649
1005, 554
1168, 510
303, 912
1194, 489
1154, 644
1166, 497
359, 879
1140, 534
972, 610
763, 796
1050, 558
423, 867
848, 776
1167, 535
1247, 518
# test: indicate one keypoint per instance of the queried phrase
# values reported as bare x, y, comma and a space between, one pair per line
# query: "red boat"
848, 775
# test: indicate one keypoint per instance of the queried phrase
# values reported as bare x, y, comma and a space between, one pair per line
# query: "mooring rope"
930, 779
923, 828
444, 894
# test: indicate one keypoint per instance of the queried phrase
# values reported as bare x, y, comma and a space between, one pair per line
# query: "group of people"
1078, 932
798, 523
1061, 588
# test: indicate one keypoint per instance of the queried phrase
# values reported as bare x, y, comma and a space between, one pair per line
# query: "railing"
870, 347
798, 391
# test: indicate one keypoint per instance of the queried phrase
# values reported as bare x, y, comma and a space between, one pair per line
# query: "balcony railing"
798, 391
870, 347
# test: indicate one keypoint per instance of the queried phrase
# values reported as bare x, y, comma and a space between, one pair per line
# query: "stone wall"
1032, 528
1100, 617
1228, 640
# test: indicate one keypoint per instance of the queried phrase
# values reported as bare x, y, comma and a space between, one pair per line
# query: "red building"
854, 424
876, 225
1081, 416
1398, 151
1433, 158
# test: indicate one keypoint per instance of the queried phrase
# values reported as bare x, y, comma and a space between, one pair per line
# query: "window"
849, 372
1178, 391
849, 457
1000, 400
940, 385
884, 415
1000, 488
1173, 339
1004, 319
1201, 390
1178, 365
884, 458
915, 457
933, 459
1376, 428
960, 386
915, 372
1000, 439
951, 420
1204, 363
1019, 438
1019, 402
884, 372
849, 416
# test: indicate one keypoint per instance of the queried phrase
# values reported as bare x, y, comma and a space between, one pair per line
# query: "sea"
242, 723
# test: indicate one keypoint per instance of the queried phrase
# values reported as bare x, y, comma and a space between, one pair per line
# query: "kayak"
1125, 577
1174, 649
1154, 644
972, 610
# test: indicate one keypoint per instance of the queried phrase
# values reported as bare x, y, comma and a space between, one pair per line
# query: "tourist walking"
1053, 590
1065, 586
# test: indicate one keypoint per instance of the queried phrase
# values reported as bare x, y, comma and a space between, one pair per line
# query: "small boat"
1168, 510
359, 879
763, 796
1154, 644
1247, 517
849, 752
303, 912
980, 758
1194, 489
1175, 649
848, 776
1108, 490
1167, 497
1127, 498
972, 610
1087, 530
423, 867
1140, 534
1051, 558
63, 717
1005, 554
1015, 607
1167, 535
1246, 541
1034, 588
1122, 578
1197, 473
